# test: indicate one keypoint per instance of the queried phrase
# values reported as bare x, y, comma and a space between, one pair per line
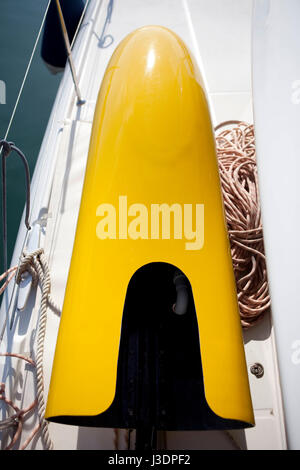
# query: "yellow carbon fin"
151, 197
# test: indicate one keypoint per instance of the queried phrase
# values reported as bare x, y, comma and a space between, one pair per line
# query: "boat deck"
218, 33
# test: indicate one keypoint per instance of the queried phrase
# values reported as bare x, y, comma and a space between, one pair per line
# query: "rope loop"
27, 265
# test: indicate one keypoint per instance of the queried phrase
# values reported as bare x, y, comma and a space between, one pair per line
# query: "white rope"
26, 72
38, 262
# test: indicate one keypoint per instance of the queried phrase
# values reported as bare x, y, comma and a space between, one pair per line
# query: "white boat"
219, 35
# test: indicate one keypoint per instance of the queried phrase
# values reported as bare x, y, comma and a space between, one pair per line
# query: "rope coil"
235, 144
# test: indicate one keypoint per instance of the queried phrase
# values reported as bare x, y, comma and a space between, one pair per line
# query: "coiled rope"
235, 144
36, 265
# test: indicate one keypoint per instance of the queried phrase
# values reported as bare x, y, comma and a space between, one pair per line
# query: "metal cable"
80, 23
7, 148
27, 71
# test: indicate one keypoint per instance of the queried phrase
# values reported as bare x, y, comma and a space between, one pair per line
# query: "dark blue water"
20, 21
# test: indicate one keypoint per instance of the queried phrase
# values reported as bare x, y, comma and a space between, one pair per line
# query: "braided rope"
9, 274
36, 265
38, 261
18, 418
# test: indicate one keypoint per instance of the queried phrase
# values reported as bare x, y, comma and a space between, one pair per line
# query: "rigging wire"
26, 73
80, 23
